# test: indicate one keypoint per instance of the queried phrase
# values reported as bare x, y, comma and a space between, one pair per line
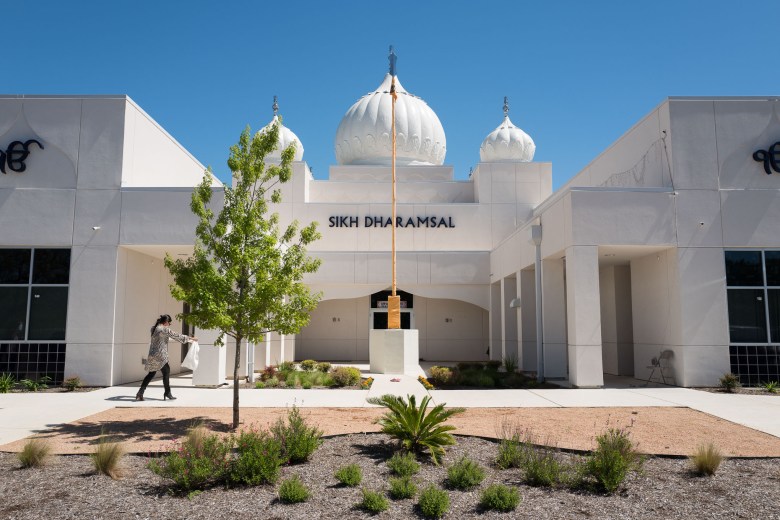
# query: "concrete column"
509, 293
496, 336
527, 320
554, 318
583, 309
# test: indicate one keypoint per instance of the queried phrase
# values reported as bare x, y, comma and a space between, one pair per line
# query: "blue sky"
578, 74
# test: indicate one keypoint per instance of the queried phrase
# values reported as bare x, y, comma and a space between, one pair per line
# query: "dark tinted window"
772, 259
14, 266
774, 315
744, 268
13, 312
51, 266
747, 318
48, 312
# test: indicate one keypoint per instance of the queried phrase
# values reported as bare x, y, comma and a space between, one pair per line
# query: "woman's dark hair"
164, 318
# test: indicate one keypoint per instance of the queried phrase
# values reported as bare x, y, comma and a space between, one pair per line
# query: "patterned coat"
158, 348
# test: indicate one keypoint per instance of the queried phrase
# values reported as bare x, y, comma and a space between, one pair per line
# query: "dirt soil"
660, 431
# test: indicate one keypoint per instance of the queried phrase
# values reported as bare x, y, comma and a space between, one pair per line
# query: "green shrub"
107, 456
706, 459
510, 363
403, 464
298, 439
345, 376
72, 383
402, 487
323, 366
441, 375
306, 385
465, 474
268, 373
373, 502
290, 383
434, 502
259, 457
464, 366
350, 475
33, 385
541, 466
729, 382
7, 382
286, 366
493, 365
477, 378
613, 459
308, 365
200, 461
770, 386
416, 429
272, 383
34, 453
293, 491
510, 452
259, 385
499, 497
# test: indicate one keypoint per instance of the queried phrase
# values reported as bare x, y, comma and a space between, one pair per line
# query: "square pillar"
527, 321
583, 309
496, 335
554, 319
509, 293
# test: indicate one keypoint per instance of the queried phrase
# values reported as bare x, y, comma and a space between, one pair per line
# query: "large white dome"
286, 137
364, 134
507, 143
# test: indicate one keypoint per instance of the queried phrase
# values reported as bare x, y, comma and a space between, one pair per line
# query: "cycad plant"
415, 427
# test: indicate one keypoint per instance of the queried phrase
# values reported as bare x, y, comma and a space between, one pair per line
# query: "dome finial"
276, 106
506, 106
392, 58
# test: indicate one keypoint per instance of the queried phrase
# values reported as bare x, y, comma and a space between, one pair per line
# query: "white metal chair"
660, 363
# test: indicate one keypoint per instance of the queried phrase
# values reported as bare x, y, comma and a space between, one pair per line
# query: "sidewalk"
22, 414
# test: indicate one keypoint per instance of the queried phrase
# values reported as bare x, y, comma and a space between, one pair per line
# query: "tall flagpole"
393, 302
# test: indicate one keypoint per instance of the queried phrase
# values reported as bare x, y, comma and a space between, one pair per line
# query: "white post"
536, 240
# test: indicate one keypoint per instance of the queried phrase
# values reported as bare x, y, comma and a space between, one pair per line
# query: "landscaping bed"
309, 374
476, 375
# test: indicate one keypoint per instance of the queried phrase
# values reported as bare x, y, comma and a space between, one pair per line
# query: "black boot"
140, 395
168, 395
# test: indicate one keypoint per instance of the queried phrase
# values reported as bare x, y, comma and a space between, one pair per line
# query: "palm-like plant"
417, 430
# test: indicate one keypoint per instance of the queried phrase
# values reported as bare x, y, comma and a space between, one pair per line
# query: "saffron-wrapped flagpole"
393, 301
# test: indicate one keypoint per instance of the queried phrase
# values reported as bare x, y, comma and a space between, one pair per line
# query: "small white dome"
286, 137
364, 134
507, 143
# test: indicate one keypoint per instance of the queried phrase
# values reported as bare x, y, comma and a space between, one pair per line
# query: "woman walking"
158, 355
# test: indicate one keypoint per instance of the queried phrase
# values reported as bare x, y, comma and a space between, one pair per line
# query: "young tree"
244, 278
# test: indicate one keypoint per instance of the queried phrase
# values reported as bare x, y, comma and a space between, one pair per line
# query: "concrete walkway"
22, 414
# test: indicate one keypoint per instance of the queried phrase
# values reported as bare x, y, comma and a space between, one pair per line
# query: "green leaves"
417, 429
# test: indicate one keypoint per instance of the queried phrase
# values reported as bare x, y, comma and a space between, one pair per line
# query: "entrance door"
380, 319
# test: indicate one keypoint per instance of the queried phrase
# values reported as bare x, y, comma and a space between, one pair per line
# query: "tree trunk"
235, 382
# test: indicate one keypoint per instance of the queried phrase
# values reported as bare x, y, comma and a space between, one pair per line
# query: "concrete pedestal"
394, 351
211, 366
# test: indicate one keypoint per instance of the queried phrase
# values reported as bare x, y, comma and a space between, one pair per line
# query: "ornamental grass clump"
706, 459
416, 428
402, 487
465, 474
200, 461
403, 464
34, 453
613, 459
298, 439
434, 502
7, 382
350, 475
498, 497
72, 383
107, 456
259, 458
293, 491
373, 502
729, 382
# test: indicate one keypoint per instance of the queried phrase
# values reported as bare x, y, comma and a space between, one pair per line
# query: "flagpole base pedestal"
211, 366
394, 351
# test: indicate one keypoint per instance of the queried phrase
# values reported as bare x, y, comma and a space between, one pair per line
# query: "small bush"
541, 466
72, 383
7, 382
706, 459
441, 375
477, 378
107, 456
373, 502
729, 382
34, 453
350, 475
268, 373
366, 383
286, 366
510, 452
298, 439
613, 459
499, 497
464, 366
510, 363
770, 386
200, 461
465, 474
260, 385
308, 365
345, 376
402, 487
293, 491
493, 365
290, 383
403, 464
306, 385
323, 366
33, 385
272, 383
259, 459
434, 502
426, 384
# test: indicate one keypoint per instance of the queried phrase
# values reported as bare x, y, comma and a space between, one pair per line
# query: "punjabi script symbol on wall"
15, 155
770, 158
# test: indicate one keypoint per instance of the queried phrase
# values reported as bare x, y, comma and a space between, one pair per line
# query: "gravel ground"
67, 488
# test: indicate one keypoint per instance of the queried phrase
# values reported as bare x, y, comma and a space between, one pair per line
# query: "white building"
664, 243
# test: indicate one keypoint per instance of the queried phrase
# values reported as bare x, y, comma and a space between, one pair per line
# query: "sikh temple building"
662, 251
